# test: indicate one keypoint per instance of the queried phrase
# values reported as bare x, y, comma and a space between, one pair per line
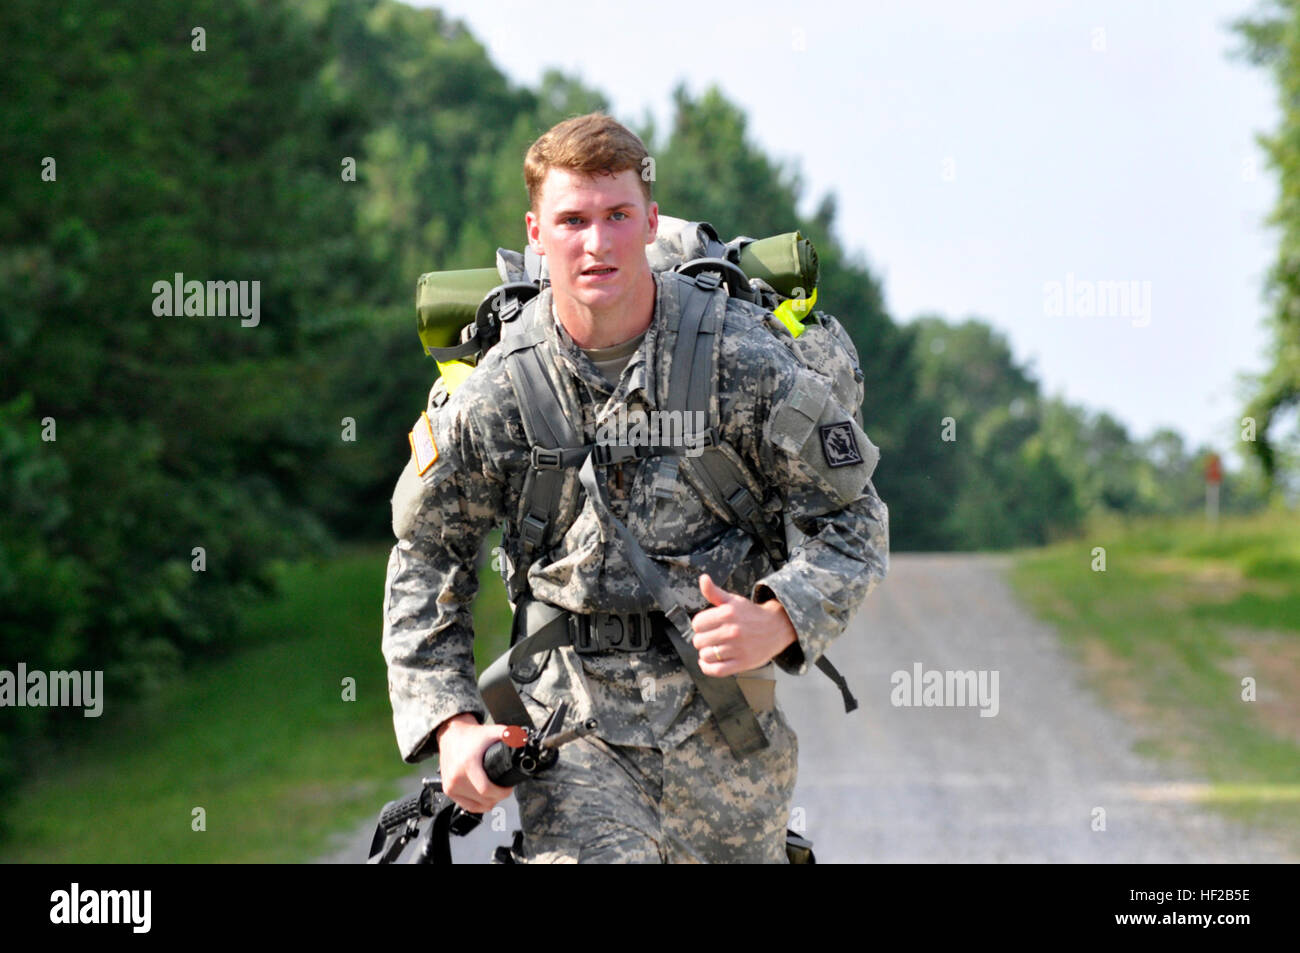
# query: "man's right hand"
462, 742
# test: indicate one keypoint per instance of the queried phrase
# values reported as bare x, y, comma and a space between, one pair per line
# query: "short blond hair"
594, 144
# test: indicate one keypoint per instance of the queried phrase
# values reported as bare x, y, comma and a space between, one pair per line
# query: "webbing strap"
544, 418
546, 425
691, 385
456, 352
736, 720
543, 627
694, 340
720, 479
833, 673
612, 454
703, 380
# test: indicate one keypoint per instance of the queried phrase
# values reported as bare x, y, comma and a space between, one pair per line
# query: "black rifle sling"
736, 720
537, 627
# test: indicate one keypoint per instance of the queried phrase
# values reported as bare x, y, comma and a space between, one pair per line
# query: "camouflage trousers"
694, 803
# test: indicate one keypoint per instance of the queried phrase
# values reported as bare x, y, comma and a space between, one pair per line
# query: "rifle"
523, 753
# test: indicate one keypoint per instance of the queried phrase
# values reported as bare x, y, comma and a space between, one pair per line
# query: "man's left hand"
735, 634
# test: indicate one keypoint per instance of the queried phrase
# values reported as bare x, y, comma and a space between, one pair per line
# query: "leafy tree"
1272, 41
168, 432
1008, 489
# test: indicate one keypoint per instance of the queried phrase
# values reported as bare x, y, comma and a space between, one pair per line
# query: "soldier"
664, 778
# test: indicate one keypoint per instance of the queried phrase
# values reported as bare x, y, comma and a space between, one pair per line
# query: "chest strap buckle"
610, 632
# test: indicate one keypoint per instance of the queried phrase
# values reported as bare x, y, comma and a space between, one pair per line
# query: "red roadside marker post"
1213, 478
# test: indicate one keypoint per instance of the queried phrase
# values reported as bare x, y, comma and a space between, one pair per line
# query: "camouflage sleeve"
821, 463
440, 518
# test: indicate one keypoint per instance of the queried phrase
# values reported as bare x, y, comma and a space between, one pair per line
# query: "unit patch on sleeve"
838, 444
424, 447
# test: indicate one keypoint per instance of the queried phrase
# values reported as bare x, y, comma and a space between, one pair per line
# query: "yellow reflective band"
454, 373
792, 311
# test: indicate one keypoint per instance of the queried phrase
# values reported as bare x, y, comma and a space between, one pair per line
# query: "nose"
598, 240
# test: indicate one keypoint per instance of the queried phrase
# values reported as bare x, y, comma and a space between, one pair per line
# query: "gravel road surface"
892, 783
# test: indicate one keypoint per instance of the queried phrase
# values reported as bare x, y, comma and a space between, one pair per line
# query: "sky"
1082, 176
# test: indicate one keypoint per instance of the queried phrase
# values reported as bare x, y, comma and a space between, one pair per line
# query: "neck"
591, 328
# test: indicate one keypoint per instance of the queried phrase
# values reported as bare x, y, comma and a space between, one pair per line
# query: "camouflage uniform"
656, 782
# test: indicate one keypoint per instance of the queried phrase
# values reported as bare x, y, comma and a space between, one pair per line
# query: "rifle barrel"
573, 734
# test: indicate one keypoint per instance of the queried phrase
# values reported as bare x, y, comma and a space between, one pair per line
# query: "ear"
532, 231
652, 222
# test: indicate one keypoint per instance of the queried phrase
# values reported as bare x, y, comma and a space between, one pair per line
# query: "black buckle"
708, 280
609, 632
580, 634
546, 459
605, 454
742, 503
533, 530
636, 632
510, 310
703, 441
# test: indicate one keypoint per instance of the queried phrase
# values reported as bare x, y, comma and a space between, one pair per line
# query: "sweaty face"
593, 231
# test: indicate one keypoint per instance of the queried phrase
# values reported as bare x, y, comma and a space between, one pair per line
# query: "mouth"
599, 271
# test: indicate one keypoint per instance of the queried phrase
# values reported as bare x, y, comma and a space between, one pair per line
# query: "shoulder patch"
792, 423
839, 446
423, 446
842, 456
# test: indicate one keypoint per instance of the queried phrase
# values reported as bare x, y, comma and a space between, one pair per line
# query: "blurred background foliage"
1271, 40
181, 432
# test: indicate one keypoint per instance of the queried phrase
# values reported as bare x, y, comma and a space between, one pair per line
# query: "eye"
624, 214
573, 220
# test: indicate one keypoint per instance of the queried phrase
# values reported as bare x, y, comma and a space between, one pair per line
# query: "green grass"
262, 740
1180, 615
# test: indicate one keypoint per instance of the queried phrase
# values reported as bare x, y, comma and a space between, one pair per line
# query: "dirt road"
1032, 783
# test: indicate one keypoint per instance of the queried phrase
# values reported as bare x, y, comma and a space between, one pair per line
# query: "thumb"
713, 592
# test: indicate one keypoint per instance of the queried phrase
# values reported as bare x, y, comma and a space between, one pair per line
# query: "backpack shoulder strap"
718, 474
546, 426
